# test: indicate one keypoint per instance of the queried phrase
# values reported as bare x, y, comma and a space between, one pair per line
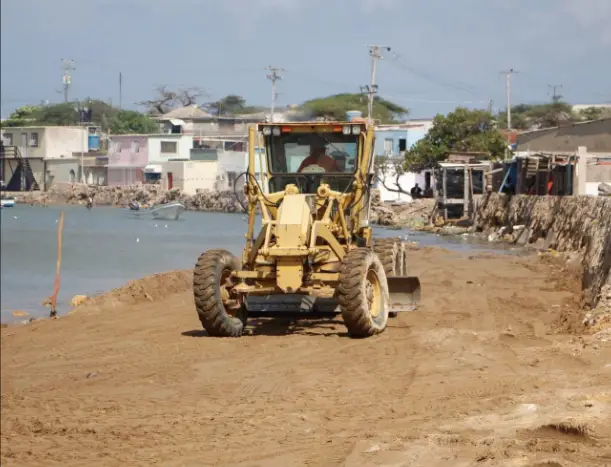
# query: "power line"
555, 96
399, 60
273, 76
67, 66
508, 74
372, 89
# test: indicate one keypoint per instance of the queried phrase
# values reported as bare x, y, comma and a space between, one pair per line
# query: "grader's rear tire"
211, 275
362, 293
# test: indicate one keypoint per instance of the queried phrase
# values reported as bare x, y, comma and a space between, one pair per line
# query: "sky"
444, 53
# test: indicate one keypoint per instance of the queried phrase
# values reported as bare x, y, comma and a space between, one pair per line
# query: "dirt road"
479, 376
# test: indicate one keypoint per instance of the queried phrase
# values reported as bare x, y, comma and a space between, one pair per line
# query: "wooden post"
60, 229
445, 193
465, 191
582, 171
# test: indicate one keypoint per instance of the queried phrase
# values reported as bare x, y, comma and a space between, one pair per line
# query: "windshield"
312, 153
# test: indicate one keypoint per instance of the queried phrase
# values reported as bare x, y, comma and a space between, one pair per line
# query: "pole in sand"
60, 229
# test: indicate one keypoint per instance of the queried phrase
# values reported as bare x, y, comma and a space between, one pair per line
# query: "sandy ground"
491, 371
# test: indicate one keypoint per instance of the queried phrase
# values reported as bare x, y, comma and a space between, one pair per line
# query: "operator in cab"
318, 160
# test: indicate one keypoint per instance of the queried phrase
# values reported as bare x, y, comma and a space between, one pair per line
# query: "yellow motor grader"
311, 183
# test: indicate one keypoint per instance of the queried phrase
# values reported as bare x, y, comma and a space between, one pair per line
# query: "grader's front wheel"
220, 315
362, 293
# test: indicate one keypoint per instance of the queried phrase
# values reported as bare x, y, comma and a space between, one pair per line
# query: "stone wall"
565, 224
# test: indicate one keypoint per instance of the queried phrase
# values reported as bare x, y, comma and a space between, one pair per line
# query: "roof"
191, 112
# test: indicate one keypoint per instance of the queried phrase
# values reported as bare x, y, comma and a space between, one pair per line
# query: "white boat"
169, 211
8, 202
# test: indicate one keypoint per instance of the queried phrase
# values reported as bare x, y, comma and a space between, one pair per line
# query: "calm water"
103, 249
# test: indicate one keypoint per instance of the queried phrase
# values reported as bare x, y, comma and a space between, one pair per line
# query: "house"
190, 176
127, 157
37, 157
594, 137
192, 120
391, 143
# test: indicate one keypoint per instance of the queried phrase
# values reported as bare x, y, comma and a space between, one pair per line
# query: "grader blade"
404, 293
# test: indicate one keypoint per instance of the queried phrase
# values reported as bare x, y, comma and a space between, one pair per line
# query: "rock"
20, 313
78, 300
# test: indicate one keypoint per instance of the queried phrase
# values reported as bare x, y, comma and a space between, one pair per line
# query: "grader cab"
311, 184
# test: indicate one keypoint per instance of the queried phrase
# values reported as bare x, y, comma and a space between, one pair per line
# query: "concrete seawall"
579, 224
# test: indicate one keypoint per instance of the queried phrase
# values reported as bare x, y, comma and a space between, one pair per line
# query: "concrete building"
190, 176
392, 140
46, 154
128, 155
391, 143
192, 120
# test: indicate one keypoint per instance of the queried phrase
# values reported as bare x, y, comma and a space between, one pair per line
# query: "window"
33, 140
115, 146
287, 152
402, 144
388, 145
169, 147
309, 159
7, 139
135, 146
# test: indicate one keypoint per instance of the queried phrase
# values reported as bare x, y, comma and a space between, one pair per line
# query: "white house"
49, 151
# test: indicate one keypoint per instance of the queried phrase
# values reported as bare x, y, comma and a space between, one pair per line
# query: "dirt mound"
151, 288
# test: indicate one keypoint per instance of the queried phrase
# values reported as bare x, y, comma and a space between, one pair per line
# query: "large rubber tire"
212, 267
362, 293
393, 255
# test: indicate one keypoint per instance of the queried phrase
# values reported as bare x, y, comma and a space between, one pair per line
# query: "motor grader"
311, 184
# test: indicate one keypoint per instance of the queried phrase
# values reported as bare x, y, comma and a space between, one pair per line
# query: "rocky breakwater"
412, 215
146, 195
572, 224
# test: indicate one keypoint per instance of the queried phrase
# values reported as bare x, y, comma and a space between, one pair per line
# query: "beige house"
36, 157
190, 176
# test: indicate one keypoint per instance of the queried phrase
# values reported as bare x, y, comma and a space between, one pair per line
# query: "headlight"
276, 131
346, 129
356, 129
267, 130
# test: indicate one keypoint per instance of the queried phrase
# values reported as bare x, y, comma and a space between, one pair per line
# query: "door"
170, 180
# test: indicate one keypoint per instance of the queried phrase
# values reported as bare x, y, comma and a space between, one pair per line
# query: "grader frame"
314, 240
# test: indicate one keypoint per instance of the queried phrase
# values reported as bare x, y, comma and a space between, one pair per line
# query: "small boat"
8, 202
167, 211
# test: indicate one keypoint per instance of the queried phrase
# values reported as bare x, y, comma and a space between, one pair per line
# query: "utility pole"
490, 106
508, 74
372, 89
67, 66
555, 96
273, 76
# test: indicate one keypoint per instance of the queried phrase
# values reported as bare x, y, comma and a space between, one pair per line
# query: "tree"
230, 105
167, 100
594, 113
532, 117
463, 130
389, 171
131, 122
22, 116
335, 107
